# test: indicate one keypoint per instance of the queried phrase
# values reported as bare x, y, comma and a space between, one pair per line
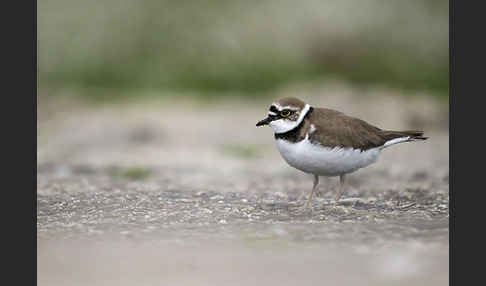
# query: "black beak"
264, 121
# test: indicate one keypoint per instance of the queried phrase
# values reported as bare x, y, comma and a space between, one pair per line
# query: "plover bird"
326, 142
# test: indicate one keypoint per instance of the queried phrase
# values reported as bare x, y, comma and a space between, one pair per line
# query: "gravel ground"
183, 193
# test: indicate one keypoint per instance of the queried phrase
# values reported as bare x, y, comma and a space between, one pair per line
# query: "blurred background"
150, 167
249, 47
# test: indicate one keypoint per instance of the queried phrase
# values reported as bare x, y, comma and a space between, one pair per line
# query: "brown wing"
334, 128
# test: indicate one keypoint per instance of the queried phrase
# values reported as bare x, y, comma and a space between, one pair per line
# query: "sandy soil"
175, 192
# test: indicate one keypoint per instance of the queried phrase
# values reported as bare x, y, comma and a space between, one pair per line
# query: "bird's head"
285, 114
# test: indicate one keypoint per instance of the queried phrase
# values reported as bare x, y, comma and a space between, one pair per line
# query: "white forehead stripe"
284, 125
280, 108
272, 113
289, 107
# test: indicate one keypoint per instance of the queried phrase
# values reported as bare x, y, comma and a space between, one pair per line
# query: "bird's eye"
285, 113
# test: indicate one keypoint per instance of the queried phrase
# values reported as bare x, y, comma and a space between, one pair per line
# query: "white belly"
325, 161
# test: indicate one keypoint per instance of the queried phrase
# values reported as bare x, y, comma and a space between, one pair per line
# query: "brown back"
334, 128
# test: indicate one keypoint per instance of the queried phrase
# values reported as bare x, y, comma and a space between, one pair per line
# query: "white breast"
325, 161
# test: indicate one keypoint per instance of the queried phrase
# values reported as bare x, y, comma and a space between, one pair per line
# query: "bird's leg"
316, 182
341, 187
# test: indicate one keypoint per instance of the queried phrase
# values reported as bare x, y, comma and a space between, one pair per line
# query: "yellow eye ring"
285, 113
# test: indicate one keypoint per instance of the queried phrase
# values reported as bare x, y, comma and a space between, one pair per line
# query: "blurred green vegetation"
132, 173
244, 151
246, 46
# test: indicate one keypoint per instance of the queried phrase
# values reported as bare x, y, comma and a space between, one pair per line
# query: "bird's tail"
394, 137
